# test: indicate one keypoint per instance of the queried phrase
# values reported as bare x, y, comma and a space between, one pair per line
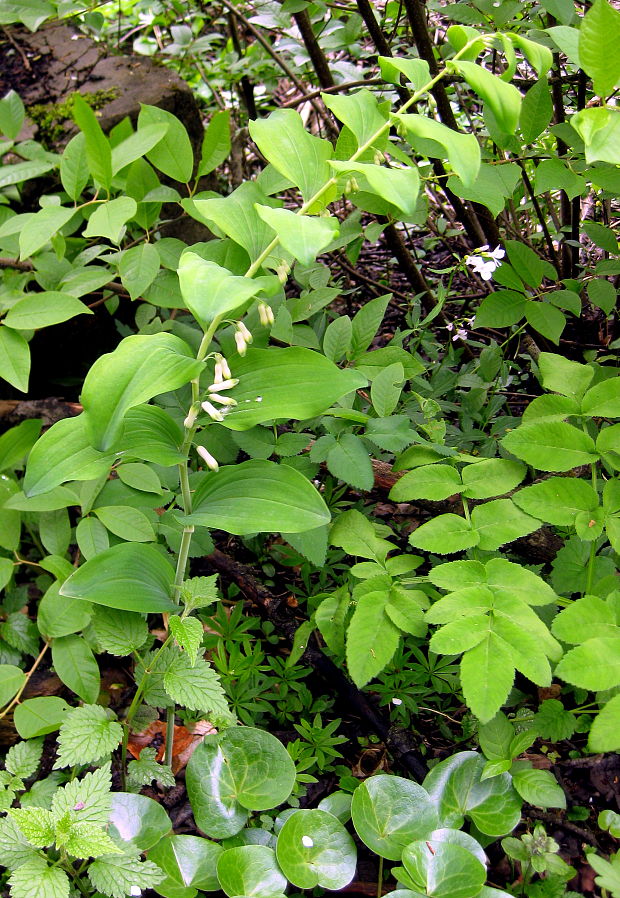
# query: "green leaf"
595, 664
553, 174
119, 632
215, 143
195, 686
14, 358
56, 617
139, 477
35, 879
564, 376
236, 216
501, 309
389, 812
445, 534
553, 722
429, 137
354, 533
199, 592
173, 154
250, 870
434, 482
386, 389
126, 522
17, 442
605, 730
151, 433
76, 666
494, 184
598, 42
144, 770
15, 848
372, 638
500, 521
503, 99
602, 294
314, 849
366, 323
491, 477
11, 681
257, 496
337, 338
211, 291
330, 617
137, 145
138, 268
300, 235
189, 862
299, 156
536, 111
348, 460
98, 152
416, 71
39, 716
87, 734
546, 319
139, 368
137, 820
361, 112
242, 769
557, 500
12, 114
487, 675
551, 445
538, 787
405, 609
109, 219
116, 875
188, 633
92, 538
36, 824
603, 399
23, 759
74, 171
444, 870
129, 576
44, 309
41, 228
398, 186
63, 453
603, 237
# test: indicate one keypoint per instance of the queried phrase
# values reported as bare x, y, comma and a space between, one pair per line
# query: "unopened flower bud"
223, 400
242, 346
218, 375
212, 411
247, 336
223, 385
190, 420
265, 313
207, 458
379, 157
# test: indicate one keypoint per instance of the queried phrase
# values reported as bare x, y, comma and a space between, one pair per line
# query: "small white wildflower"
212, 411
449, 326
486, 261
258, 399
461, 334
397, 701
207, 458
223, 385
307, 842
242, 346
223, 400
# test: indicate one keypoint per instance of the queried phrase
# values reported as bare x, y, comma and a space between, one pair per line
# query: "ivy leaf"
188, 633
197, 687
35, 879
115, 876
87, 734
36, 824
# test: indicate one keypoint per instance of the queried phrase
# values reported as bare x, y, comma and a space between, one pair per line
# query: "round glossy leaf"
457, 837
189, 863
244, 769
250, 870
314, 849
389, 812
251, 835
338, 804
404, 893
137, 819
444, 870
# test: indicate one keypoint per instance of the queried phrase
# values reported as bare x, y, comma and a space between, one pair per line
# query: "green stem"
255, 266
380, 877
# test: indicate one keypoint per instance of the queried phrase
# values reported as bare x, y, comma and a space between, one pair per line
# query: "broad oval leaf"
138, 820
437, 140
189, 863
293, 383
389, 812
444, 869
257, 497
250, 870
11, 681
211, 291
314, 849
551, 445
130, 576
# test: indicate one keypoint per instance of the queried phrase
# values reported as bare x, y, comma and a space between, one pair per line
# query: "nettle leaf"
36, 824
300, 235
211, 291
119, 632
551, 445
314, 849
242, 769
389, 812
250, 870
188, 633
257, 496
116, 875
23, 759
16, 849
195, 686
139, 368
296, 154
91, 794
503, 99
293, 383
372, 638
129, 576
87, 734
36, 879
145, 769
434, 139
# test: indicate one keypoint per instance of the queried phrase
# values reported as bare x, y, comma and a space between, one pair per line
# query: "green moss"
50, 118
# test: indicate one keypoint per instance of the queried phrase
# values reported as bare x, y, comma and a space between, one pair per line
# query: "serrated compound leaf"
372, 638
314, 849
433, 482
539, 788
137, 821
195, 685
115, 875
551, 445
491, 477
87, 735
500, 521
88, 799
487, 675
605, 731
36, 879
389, 812
250, 870
595, 664
445, 534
